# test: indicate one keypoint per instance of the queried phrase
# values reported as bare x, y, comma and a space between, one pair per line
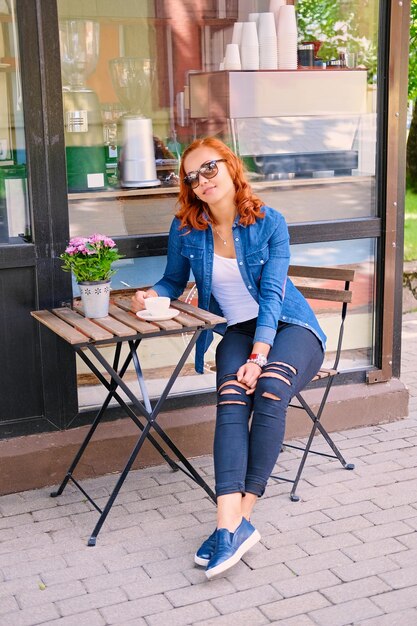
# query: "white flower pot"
95, 296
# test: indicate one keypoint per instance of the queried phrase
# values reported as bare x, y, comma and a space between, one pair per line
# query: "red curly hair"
192, 209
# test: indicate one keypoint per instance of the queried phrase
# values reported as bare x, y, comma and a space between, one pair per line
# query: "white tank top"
231, 292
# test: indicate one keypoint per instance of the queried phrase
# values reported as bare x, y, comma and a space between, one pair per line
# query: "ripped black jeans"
245, 452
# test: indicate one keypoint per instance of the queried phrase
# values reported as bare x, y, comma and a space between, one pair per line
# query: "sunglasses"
207, 170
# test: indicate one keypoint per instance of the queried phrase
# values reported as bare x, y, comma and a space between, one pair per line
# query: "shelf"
257, 185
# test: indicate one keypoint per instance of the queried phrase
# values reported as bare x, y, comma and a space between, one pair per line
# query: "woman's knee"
230, 392
276, 383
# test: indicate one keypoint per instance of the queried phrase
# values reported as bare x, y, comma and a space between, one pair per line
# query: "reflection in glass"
79, 45
15, 226
158, 357
308, 136
132, 79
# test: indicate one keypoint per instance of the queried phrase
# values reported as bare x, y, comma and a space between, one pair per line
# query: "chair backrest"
339, 291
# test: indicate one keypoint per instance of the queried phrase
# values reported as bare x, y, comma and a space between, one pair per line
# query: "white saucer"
147, 315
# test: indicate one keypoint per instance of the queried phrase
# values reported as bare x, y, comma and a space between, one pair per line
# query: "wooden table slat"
166, 324
114, 326
83, 324
189, 320
61, 328
130, 319
200, 314
124, 303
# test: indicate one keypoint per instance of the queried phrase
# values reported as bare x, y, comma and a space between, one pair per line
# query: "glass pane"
15, 224
158, 357
142, 80
358, 339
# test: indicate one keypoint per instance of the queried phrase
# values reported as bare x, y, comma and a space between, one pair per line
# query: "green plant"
410, 226
90, 258
341, 26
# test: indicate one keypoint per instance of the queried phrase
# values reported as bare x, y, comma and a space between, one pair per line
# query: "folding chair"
343, 296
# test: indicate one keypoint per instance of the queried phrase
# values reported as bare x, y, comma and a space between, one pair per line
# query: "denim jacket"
263, 253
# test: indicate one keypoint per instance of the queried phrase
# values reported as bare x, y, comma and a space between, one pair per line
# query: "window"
15, 224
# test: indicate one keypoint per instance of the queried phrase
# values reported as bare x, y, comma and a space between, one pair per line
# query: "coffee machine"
132, 79
86, 166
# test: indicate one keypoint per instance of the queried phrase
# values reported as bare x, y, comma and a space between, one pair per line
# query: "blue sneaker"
205, 551
230, 547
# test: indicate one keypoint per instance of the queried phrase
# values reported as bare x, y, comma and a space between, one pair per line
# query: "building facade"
98, 100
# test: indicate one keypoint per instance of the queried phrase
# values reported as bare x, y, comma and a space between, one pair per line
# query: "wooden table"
86, 336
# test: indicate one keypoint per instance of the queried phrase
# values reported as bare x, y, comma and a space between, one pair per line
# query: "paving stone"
168, 566
301, 521
160, 584
326, 544
319, 562
248, 578
346, 525
98, 554
95, 600
362, 588
366, 551
187, 507
13, 521
409, 540
248, 617
30, 617
90, 618
23, 570
199, 593
135, 559
404, 577
110, 580
150, 503
11, 587
294, 606
290, 537
184, 615
246, 599
298, 585
405, 559
138, 608
51, 593
397, 600
353, 612
23, 543
61, 511
393, 514
8, 604
298, 620
399, 618
166, 525
383, 531
170, 541
270, 557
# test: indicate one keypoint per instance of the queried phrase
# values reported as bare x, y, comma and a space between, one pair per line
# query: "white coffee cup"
157, 305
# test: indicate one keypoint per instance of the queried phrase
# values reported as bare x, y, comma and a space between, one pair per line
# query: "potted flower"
90, 260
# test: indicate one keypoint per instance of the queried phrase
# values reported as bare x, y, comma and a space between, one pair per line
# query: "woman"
238, 251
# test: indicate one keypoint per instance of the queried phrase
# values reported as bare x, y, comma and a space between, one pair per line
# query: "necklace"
219, 235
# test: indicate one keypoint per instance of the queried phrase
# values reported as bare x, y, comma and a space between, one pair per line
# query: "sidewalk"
345, 554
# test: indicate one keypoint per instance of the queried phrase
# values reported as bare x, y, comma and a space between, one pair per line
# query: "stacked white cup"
274, 7
232, 57
267, 34
249, 49
237, 33
287, 38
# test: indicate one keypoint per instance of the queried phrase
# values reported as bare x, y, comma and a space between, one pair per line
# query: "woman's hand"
248, 374
138, 300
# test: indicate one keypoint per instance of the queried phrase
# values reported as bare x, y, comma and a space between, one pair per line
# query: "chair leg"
317, 426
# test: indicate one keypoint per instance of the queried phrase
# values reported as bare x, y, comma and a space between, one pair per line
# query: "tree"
412, 95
